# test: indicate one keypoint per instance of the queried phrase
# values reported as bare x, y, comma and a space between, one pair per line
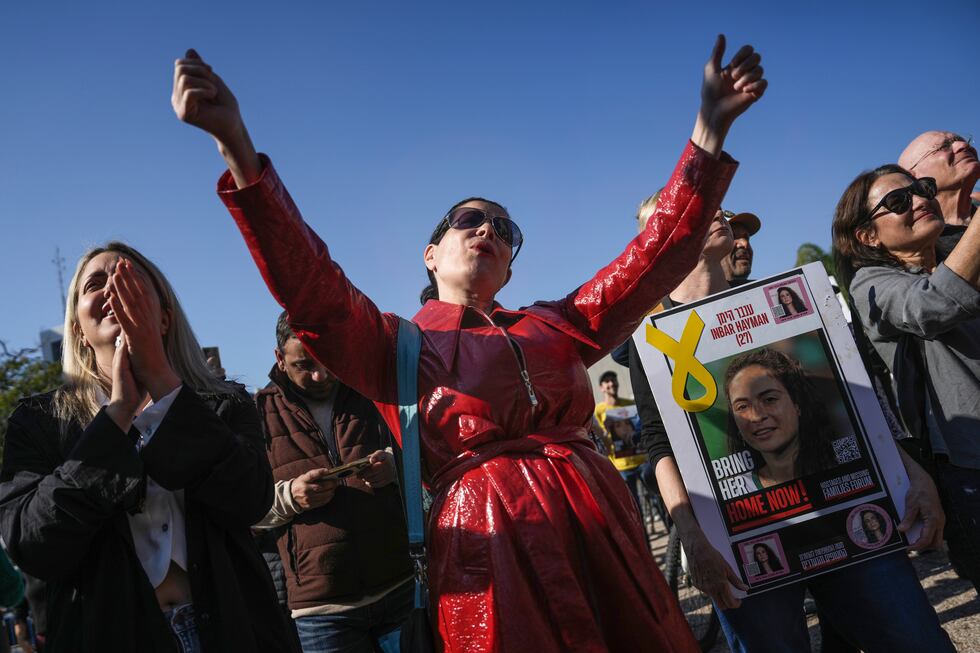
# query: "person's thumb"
911, 514
192, 54
714, 64
734, 579
313, 475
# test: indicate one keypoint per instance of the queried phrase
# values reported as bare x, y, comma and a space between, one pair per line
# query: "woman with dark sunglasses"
922, 316
534, 542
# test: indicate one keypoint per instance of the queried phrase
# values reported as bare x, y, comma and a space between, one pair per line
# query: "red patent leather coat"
534, 541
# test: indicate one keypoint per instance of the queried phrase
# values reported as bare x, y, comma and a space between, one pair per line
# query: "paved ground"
955, 601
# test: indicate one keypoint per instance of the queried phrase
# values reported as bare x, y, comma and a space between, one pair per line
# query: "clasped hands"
139, 365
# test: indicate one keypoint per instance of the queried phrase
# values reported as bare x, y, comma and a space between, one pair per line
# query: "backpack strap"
409, 345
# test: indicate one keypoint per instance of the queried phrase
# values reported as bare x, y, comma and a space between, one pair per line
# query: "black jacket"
63, 516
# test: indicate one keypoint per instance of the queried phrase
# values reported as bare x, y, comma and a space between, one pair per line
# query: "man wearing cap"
738, 265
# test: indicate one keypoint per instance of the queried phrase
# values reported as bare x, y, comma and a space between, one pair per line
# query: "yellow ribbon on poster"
685, 364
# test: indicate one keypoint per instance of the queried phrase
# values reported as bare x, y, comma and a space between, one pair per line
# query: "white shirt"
158, 530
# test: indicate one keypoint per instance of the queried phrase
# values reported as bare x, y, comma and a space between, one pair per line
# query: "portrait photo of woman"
868, 527
790, 302
766, 558
776, 414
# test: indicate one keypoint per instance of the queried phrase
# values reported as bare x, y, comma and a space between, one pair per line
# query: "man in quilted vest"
342, 541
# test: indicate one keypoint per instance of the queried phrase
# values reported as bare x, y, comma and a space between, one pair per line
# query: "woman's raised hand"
727, 91
201, 98
143, 321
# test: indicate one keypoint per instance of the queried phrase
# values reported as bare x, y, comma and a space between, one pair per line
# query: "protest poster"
791, 467
621, 424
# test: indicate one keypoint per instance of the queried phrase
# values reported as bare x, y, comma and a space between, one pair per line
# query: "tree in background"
22, 373
810, 253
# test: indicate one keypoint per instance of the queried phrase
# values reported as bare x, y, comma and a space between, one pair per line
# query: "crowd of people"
154, 505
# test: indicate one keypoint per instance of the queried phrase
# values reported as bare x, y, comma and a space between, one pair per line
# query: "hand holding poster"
790, 465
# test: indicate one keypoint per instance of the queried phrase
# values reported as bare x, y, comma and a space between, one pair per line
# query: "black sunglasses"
900, 199
505, 228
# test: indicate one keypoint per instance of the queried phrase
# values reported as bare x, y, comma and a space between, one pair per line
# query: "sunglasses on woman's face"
505, 228
900, 199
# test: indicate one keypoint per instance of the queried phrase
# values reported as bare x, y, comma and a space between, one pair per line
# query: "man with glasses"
951, 160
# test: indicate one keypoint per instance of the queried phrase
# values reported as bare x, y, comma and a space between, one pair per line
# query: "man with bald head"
952, 161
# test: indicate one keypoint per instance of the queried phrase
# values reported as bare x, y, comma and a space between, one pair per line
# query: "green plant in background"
22, 373
810, 253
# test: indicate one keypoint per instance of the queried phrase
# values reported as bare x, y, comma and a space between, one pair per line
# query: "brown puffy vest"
356, 544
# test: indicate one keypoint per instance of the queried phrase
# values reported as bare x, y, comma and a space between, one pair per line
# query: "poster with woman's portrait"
788, 300
779, 437
763, 558
621, 424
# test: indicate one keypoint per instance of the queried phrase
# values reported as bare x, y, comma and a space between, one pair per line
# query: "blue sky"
380, 115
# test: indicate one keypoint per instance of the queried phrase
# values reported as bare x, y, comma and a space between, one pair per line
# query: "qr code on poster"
846, 450
778, 311
752, 568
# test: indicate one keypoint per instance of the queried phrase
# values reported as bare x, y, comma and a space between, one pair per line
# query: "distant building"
51, 343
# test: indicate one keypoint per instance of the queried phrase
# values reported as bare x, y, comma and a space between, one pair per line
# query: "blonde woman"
131, 488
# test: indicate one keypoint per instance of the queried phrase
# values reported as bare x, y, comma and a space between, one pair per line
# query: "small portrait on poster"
763, 558
622, 425
788, 300
869, 526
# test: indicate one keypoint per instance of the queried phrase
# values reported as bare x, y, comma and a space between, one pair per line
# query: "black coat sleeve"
51, 509
653, 434
621, 354
216, 455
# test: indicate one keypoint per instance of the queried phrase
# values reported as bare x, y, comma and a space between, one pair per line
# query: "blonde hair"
77, 400
646, 209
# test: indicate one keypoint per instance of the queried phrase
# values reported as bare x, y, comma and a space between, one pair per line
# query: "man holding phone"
337, 508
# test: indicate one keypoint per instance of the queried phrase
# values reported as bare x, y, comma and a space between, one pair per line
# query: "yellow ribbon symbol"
686, 364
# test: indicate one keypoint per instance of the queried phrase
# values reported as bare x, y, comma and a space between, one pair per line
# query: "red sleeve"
609, 306
338, 324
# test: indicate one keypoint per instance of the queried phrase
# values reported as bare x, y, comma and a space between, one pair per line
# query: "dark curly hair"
815, 433
773, 561
432, 290
798, 304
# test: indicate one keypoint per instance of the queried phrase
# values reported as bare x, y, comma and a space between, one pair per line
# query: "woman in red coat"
534, 542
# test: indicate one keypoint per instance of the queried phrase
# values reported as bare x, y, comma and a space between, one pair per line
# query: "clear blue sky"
380, 115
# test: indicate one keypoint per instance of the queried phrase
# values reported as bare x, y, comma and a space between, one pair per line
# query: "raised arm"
964, 260
894, 302
610, 305
336, 322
